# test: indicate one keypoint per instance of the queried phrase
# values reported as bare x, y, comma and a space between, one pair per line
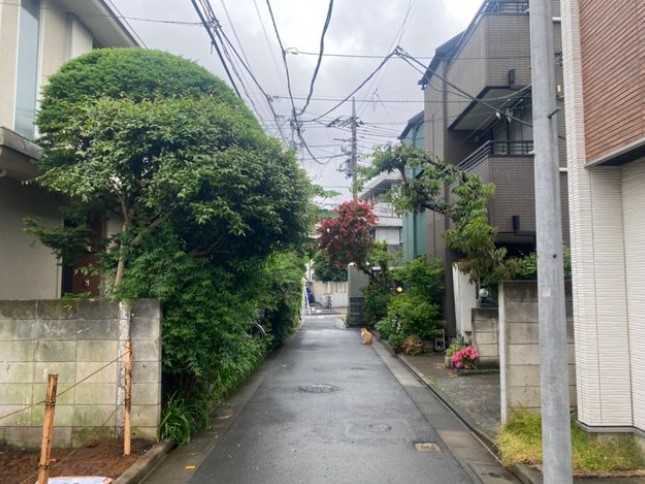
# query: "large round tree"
153, 139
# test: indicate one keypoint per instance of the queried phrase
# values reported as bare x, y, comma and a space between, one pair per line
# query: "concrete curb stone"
146, 464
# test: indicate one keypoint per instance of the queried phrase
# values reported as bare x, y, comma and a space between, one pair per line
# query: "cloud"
357, 27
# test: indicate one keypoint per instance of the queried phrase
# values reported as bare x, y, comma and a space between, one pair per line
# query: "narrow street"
328, 409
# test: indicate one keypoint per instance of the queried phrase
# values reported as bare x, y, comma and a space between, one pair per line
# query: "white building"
389, 225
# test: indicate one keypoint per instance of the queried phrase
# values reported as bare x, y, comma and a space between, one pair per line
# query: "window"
27, 75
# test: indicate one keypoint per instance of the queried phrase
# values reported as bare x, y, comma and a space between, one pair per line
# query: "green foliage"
283, 281
377, 299
211, 209
471, 235
520, 441
419, 306
455, 345
180, 419
418, 315
136, 74
526, 267
324, 271
169, 145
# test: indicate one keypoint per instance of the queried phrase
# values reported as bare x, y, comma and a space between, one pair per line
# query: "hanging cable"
320, 56
214, 43
294, 120
365, 81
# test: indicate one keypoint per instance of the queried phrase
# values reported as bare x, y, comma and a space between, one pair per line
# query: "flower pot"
448, 361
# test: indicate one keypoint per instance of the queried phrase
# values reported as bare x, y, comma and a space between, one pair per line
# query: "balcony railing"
497, 148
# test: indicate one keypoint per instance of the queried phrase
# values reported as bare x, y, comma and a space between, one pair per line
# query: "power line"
294, 51
214, 42
346, 98
395, 41
286, 66
320, 57
259, 86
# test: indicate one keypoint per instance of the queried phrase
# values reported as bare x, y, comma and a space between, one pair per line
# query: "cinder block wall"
82, 341
485, 335
519, 346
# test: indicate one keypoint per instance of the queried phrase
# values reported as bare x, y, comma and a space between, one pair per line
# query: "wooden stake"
48, 428
127, 424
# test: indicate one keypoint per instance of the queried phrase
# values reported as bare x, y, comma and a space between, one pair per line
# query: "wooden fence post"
127, 423
48, 428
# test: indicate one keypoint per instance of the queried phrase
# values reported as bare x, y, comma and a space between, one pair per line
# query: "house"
36, 38
604, 92
477, 115
415, 225
388, 224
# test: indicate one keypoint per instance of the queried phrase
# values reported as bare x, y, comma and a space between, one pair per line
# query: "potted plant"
455, 345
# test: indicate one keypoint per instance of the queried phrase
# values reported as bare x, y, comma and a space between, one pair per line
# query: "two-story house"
604, 91
477, 115
388, 224
36, 38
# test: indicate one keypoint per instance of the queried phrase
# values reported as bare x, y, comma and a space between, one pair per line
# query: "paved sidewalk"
474, 395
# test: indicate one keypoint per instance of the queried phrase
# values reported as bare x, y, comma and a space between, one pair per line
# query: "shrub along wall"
82, 341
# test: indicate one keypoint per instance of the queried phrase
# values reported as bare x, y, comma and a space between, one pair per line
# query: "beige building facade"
604, 93
36, 38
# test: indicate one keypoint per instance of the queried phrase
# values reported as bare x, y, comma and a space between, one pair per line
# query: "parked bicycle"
255, 329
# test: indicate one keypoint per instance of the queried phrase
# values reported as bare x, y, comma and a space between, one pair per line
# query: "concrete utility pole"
353, 161
556, 427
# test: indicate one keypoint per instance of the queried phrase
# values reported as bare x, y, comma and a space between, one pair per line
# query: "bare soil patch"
100, 458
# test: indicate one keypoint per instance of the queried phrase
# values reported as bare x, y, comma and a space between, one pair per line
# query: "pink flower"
466, 357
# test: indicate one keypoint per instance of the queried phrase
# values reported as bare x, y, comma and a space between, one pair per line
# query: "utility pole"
354, 155
556, 427
352, 162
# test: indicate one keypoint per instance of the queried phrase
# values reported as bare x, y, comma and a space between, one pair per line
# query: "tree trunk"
120, 268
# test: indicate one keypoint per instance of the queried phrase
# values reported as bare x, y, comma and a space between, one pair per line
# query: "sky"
357, 27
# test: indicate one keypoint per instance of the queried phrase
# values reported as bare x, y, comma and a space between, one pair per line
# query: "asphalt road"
326, 409
329, 411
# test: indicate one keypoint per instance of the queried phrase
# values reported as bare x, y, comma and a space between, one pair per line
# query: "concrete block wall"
82, 341
356, 311
485, 335
519, 346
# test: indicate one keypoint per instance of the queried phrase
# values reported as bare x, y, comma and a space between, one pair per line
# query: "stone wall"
82, 341
519, 346
485, 335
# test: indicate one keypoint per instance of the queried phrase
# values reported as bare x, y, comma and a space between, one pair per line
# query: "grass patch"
520, 441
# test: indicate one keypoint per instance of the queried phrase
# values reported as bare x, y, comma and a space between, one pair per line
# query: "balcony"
509, 166
496, 148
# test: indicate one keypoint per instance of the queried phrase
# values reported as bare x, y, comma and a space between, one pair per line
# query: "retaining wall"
519, 346
83, 341
485, 335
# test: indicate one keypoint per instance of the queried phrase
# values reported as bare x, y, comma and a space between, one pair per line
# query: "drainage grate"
318, 388
427, 447
378, 427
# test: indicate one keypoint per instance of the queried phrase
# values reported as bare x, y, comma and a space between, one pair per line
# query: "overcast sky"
362, 27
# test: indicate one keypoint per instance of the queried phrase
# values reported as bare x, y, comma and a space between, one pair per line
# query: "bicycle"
255, 329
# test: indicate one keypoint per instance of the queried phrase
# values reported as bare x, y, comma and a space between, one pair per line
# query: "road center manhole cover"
378, 427
318, 388
427, 447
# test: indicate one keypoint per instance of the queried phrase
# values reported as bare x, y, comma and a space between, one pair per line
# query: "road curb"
146, 464
524, 473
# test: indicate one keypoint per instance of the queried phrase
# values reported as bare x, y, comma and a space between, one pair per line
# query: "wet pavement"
326, 409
